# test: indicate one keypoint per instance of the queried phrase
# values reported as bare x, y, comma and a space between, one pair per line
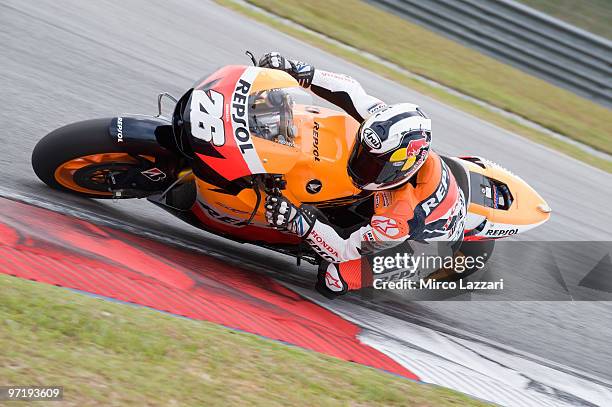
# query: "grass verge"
591, 15
105, 353
319, 16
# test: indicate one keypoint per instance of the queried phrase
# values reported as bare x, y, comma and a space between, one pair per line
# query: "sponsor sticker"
372, 139
240, 120
119, 129
314, 186
315, 141
386, 226
501, 232
415, 146
377, 108
323, 248
332, 282
154, 174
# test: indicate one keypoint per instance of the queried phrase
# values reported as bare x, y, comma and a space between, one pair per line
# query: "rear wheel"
83, 158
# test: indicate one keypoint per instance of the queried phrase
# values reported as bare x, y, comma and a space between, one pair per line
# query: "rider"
416, 196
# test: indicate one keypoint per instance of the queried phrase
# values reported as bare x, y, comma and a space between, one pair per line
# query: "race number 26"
206, 117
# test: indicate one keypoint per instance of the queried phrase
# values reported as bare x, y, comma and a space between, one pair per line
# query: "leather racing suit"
430, 206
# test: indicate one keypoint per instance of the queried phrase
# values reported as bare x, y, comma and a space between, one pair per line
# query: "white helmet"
390, 148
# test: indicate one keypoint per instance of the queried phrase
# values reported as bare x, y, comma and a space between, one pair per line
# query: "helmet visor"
367, 169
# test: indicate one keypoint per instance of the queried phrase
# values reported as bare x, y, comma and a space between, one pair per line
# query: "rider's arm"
341, 90
332, 247
346, 93
311, 225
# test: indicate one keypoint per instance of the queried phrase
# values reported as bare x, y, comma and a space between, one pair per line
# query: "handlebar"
274, 184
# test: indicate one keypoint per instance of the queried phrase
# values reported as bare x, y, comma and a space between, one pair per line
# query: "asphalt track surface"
64, 61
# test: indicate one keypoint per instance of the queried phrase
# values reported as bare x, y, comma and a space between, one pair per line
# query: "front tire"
80, 157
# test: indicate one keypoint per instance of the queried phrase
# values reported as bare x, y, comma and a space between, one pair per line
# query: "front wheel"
83, 159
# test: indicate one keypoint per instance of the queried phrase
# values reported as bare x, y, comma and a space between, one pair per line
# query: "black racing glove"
301, 71
282, 214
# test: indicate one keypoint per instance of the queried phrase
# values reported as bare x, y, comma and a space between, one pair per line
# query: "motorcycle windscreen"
274, 127
242, 122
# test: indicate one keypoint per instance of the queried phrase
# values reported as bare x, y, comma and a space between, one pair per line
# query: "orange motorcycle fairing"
315, 171
244, 123
239, 134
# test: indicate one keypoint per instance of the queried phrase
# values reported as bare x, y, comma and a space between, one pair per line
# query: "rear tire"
71, 142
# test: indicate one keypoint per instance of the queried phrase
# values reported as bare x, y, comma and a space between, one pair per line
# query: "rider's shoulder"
396, 202
430, 170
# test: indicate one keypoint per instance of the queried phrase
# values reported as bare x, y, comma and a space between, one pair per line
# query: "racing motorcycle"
243, 132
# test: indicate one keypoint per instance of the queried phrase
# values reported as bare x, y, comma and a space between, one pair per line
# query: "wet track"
63, 61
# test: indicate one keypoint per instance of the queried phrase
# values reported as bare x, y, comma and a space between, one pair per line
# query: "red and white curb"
140, 267
49, 247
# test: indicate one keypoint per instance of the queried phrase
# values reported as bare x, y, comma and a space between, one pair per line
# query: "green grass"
105, 353
592, 15
440, 94
445, 61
